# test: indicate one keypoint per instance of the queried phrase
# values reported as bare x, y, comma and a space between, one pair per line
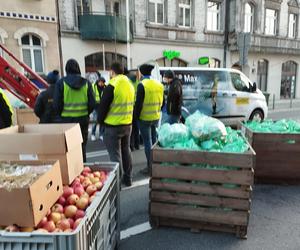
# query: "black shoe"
127, 182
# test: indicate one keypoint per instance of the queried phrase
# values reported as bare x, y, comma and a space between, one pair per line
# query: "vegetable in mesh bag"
204, 128
169, 135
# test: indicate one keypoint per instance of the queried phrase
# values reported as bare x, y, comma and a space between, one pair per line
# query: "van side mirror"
254, 87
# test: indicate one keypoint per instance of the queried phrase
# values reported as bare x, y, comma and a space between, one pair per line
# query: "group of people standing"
120, 106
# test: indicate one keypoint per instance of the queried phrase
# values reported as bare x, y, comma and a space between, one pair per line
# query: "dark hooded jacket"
5, 114
75, 81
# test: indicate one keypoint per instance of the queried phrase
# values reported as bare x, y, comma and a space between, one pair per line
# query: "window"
213, 16
292, 25
156, 11
32, 52
185, 13
116, 8
248, 22
288, 80
239, 82
94, 62
214, 63
262, 74
271, 22
176, 62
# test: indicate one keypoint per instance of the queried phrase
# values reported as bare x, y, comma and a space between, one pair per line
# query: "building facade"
260, 35
29, 29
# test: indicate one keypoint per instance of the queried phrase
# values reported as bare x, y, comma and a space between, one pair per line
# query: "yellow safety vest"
96, 93
154, 95
75, 101
7, 101
121, 108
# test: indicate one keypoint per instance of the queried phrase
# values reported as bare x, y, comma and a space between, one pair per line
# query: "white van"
226, 94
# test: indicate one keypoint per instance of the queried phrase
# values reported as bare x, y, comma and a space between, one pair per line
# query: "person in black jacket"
174, 97
76, 106
5, 111
43, 107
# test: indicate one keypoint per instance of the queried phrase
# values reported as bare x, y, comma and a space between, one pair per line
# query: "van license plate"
242, 100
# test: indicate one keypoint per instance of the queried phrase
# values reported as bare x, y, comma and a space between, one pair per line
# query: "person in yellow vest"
74, 100
98, 88
115, 112
6, 111
148, 105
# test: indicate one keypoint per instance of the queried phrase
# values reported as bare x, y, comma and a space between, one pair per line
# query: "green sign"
171, 54
203, 60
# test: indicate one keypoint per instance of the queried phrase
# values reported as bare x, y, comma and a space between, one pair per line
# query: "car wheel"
257, 115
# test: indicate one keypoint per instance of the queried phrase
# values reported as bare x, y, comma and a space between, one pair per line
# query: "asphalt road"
274, 220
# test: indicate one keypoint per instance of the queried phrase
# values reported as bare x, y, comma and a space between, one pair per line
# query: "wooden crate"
211, 204
277, 157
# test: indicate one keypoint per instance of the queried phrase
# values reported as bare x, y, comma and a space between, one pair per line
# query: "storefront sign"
203, 60
171, 54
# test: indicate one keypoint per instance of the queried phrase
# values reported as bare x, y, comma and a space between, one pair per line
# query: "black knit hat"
53, 77
72, 67
169, 74
146, 69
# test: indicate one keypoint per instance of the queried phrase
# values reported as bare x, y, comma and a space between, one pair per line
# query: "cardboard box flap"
73, 137
22, 143
55, 128
10, 130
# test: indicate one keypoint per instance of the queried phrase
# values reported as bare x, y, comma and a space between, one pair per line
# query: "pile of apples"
66, 214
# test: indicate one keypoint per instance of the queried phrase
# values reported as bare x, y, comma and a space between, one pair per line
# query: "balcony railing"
99, 26
269, 44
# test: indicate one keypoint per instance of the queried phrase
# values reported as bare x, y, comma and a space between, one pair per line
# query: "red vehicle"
17, 83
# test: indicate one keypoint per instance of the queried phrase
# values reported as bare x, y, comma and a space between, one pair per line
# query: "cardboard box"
45, 142
27, 206
25, 116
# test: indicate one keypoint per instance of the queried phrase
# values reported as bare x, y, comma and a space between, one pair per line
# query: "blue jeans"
94, 127
149, 135
173, 119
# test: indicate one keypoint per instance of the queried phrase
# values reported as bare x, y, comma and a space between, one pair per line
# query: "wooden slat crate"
183, 194
277, 157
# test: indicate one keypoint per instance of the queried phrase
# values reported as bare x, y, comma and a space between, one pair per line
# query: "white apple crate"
99, 230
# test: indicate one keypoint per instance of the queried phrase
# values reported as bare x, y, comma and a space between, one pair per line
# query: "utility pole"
128, 35
226, 31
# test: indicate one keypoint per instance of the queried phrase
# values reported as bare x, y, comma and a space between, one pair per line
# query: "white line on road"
137, 184
96, 153
141, 228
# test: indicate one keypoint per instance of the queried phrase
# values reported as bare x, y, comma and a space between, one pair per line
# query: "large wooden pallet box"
183, 193
277, 156
99, 230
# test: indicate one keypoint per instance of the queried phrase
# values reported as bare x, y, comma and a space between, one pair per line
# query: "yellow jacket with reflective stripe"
7, 101
75, 101
96, 93
121, 108
154, 95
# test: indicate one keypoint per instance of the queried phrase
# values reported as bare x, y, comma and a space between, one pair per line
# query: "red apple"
61, 200
91, 199
41, 230
91, 189
42, 222
95, 180
81, 178
57, 208
49, 226
55, 217
67, 191
79, 190
82, 203
70, 211
85, 174
99, 185
63, 224
12, 228
97, 174
86, 195
72, 199
86, 183
79, 214
87, 169
57, 230
76, 223
48, 213
71, 221
69, 230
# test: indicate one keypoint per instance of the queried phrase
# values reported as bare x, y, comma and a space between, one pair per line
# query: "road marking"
138, 229
96, 153
137, 184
